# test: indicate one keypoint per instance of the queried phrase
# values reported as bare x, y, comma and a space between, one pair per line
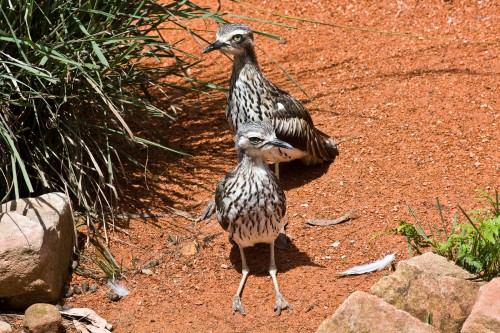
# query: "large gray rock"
485, 315
430, 285
36, 245
365, 313
42, 318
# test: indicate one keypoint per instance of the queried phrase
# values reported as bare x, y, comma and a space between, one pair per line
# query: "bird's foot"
281, 304
237, 305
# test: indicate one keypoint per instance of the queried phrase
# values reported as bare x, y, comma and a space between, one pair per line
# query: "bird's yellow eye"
237, 38
255, 140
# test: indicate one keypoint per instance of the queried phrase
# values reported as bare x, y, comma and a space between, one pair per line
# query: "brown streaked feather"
219, 196
301, 133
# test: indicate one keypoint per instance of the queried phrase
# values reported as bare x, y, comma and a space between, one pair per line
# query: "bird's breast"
254, 205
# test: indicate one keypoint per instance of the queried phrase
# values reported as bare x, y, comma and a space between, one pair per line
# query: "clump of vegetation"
473, 245
73, 76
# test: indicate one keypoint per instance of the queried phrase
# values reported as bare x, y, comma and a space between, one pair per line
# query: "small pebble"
93, 287
152, 263
112, 296
41, 317
77, 290
146, 271
224, 266
309, 308
85, 286
335, 244
69, 293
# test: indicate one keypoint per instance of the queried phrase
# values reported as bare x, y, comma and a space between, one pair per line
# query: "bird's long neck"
248, 162
247, 58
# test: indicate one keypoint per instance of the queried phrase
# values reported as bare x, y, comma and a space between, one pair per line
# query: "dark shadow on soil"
295, 174
258, 258
208, 125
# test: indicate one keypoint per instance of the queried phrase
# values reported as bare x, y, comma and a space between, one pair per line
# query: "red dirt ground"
417, 119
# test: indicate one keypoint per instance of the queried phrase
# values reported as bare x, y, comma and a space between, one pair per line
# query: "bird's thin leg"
277, 169
281, 303
244, 274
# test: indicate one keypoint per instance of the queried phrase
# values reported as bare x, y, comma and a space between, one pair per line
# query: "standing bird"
252, 97
250, 202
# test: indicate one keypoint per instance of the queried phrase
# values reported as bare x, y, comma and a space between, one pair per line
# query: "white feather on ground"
117, 288
371, 267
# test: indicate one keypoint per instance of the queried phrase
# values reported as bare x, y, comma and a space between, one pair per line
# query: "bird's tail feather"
332, 148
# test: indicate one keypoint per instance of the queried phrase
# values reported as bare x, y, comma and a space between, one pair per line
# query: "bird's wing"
294, 125
220, 205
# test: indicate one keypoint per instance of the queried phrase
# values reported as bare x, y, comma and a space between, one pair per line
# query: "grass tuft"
473, 245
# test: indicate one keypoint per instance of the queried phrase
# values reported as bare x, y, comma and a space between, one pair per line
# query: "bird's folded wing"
294, 125
221, 208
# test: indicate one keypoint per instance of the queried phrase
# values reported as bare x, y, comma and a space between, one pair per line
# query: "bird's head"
258, 139
232, 38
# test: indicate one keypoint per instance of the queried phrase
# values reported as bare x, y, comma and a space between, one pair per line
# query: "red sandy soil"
417, 119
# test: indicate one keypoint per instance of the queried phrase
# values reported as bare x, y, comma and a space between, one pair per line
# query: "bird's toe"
281, 304
237, 305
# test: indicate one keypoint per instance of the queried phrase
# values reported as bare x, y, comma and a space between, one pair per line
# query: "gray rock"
93, 287
113, 296
42, 318
69, 292
485, 315
77, 290
365, 313
5, 327
151, 263
430, 285
36, 245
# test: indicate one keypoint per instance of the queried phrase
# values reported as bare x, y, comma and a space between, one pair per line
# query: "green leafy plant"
72, 75
473, 245
100, 264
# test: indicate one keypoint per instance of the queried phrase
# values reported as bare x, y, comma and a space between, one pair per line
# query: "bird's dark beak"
281, 144
214, 46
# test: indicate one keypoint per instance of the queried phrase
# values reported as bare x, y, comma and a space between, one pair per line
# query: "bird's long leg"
281, 303
277, 169
244, 274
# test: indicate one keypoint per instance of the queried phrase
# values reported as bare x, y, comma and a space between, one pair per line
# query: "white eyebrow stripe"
225, 38
240, 32
222, 39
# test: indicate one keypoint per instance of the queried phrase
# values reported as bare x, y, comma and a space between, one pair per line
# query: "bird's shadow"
258, 258
295, 174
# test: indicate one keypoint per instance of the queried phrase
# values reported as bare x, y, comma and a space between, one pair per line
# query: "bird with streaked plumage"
250, 202
252, 97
